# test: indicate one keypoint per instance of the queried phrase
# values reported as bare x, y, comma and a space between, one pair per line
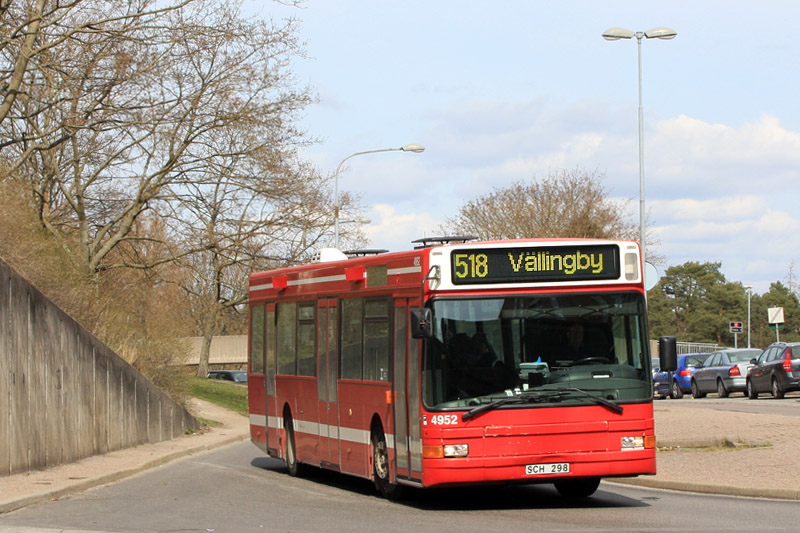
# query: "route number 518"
471, 265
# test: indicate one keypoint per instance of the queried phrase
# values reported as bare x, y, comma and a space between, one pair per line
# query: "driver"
574, 348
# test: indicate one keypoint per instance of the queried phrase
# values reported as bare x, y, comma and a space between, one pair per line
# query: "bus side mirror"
668, 353
421, 323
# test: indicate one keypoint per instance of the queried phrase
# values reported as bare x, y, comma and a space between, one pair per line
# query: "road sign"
736, 327
775, 315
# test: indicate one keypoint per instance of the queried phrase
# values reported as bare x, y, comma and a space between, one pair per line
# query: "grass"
227, 395
724, 444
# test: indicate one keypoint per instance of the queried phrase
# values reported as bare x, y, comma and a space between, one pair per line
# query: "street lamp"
615, 34
749, 289
414, 148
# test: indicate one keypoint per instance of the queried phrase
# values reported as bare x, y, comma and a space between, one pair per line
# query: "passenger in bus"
484, 353
469, 352
459, 349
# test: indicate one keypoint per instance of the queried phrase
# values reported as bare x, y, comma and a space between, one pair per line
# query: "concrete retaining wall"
64, 395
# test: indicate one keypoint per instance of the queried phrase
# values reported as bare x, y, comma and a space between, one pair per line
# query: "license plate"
543, 469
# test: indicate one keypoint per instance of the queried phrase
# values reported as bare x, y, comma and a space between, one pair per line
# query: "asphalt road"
237, 489
766, 404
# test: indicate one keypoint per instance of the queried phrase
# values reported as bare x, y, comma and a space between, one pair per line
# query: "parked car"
660, 380
681, 379
723, 372
776, 370
237, 376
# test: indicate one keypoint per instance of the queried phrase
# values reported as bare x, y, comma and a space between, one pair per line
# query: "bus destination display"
515, 265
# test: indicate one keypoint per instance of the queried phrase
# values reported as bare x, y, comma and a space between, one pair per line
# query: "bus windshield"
484, 349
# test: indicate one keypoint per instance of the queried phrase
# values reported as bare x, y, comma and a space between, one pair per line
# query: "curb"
704, 488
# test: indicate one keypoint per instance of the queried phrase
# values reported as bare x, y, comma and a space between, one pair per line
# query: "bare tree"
564, 203
120, 124
36, 36
159, 140
245, 215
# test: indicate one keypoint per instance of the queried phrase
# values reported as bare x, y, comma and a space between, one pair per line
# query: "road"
237, 489
766, 404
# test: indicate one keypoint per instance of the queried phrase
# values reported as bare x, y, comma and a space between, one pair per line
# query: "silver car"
724, 372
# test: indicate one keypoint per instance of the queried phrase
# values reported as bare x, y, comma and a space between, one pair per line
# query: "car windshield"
743, 357
239, 377
485, 349
695, 361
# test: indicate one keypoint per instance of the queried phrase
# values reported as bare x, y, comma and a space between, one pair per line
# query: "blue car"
660, 380
680, 380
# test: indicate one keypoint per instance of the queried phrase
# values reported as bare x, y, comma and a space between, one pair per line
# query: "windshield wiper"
542, 396
598, 399
520, 398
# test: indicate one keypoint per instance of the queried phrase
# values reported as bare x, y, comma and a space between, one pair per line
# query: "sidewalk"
725, 452
700, 450
22, 490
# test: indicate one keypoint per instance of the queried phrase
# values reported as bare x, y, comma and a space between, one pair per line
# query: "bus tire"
577, 488
380, 466
290, 454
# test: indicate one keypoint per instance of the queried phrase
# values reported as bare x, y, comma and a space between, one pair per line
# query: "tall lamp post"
749, 289
615, 34
414, 148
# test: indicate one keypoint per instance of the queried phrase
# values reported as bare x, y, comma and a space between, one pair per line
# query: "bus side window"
257, 339
306, 337
376, 339
352, 337
287, 339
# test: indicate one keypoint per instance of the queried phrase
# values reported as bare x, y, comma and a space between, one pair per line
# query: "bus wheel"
577, 488
295, 468
380, 466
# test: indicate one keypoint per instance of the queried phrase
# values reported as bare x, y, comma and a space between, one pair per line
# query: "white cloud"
686, 155
394, 231
755, 244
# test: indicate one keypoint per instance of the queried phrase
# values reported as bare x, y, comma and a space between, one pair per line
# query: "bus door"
405, 387
327, 375
269, 377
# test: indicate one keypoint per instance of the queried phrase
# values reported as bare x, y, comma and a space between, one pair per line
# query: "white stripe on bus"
258, 420
353, 435
404, 270
338, 277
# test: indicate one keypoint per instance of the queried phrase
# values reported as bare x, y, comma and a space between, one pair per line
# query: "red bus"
457, 363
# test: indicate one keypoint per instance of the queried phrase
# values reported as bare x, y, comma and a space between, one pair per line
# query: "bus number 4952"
444, 420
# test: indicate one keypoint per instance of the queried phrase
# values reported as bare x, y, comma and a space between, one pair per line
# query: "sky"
512, 90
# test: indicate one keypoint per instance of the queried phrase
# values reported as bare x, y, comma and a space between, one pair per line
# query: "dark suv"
777, 370
237, 376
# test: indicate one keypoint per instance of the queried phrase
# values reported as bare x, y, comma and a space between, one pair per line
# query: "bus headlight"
456, 450
438, 451
639, 443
